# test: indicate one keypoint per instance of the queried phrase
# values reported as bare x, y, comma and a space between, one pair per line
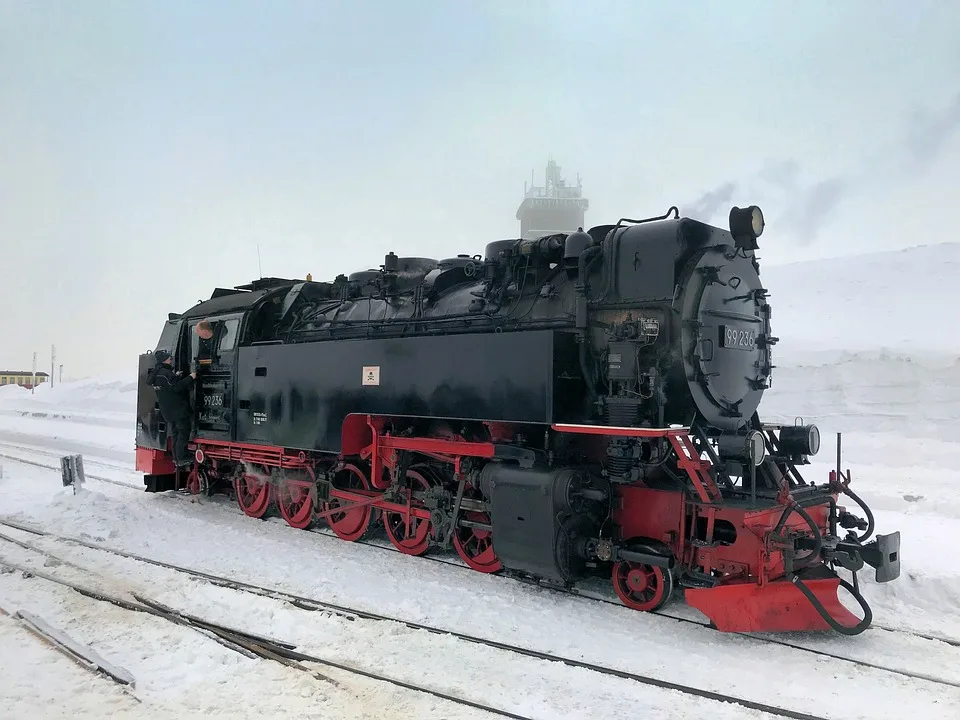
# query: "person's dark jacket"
172, 392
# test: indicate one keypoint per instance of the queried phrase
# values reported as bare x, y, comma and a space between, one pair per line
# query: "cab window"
225, 331
227, 334
168, 336
194, 340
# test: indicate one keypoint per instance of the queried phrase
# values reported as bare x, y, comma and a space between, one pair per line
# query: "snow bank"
108, 400
103, 392
903, 300
12, 391
879, 391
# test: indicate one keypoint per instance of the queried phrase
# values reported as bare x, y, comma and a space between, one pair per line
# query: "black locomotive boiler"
568, 406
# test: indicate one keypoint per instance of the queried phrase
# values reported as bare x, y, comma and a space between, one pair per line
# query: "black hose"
822, 611
783, 519
807, 559
871, 524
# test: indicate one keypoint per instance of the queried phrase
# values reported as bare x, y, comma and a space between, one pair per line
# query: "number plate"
737, 339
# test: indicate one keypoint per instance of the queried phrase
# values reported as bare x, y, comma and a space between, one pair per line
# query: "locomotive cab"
213, 397
153, 444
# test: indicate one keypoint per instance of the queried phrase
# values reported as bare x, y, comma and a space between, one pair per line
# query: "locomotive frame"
414, 399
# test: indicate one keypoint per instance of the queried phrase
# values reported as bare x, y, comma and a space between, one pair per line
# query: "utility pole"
33, 385
60, 378
53, 360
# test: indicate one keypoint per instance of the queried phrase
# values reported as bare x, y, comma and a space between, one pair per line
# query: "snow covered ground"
901, 300
891, 387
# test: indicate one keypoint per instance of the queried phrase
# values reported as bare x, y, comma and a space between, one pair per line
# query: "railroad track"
58, 455
245, 643
613, 600
268, 648
308, 603
39, 450
455, 561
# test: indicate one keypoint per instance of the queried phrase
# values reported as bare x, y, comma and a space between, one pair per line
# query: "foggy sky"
146, 149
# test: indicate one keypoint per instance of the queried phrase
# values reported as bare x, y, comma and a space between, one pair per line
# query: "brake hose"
822, 611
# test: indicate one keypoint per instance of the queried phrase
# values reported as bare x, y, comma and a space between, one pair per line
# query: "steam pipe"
587, 258
646, 558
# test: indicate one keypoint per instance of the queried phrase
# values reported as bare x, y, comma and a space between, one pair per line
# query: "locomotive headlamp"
800, 440
755, 448
746, 225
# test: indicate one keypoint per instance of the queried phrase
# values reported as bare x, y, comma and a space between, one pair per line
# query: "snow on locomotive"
562, 407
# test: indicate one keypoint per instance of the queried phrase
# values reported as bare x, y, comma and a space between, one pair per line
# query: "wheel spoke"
193, 481
408, 533
642, 587
253, 494
352, 523
474, 546
295, 498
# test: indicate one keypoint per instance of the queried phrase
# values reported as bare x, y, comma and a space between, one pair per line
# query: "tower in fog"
553, 207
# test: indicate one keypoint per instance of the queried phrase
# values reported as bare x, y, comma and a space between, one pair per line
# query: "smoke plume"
930, 132
803, 208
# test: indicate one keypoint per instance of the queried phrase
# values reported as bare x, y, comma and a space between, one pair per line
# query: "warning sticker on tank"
371, 375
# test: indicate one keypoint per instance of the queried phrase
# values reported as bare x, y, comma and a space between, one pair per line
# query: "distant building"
552, 208
21, 377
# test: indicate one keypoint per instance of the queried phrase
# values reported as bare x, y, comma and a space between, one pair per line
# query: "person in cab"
173, 396
204, 347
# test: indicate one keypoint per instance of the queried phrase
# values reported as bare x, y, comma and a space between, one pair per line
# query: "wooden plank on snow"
83, 654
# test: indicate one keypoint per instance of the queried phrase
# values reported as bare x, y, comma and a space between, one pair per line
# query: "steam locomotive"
575, 405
